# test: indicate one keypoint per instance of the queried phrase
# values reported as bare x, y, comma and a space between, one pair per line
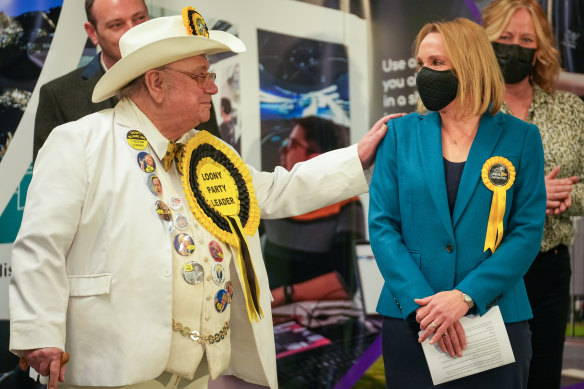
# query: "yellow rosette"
498, 175
219, 190
194, 22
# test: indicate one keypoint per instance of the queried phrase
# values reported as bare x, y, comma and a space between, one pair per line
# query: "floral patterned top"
560, 119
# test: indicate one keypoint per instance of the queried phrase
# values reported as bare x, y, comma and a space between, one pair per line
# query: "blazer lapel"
482, 149
430, 141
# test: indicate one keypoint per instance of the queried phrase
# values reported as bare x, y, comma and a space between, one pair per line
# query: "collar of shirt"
129, 115
102, 63
539, 97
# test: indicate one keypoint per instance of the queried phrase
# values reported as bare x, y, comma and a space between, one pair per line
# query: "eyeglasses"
290, 143
202, 79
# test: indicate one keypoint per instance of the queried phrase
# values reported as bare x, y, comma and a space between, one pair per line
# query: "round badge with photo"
146, 162
163, 211
218, 273
221, 300
154, 184
193, 272
216, 251
229, 289
184, 244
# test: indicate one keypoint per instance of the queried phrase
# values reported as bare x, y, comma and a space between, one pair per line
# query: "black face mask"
516, 62
437, 88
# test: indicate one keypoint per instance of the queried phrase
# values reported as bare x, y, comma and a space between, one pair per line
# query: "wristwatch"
467, 299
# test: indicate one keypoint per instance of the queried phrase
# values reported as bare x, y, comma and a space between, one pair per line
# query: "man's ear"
154, 83
91, 33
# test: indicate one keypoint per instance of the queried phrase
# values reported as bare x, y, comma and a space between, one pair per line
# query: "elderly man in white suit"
96, 270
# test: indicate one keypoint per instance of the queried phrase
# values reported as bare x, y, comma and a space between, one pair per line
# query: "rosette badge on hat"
159, 42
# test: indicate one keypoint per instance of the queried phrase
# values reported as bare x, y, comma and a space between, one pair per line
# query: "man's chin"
204, 117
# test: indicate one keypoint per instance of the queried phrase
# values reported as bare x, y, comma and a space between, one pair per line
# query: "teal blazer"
421, 250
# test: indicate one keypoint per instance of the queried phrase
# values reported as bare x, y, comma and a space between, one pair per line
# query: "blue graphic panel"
12, 216
19, 7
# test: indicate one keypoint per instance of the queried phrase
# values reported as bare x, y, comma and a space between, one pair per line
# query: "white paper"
487, 347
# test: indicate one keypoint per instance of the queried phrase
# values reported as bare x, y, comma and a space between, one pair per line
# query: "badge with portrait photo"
218, 274
184, 244
163, 211
193, 272
216, 251
229, 289
154, 184
146, 162
221, 300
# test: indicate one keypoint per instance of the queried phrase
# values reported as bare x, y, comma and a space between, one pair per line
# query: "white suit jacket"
92, 261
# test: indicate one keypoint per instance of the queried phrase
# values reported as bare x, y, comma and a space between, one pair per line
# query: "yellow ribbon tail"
495, 225
250, 283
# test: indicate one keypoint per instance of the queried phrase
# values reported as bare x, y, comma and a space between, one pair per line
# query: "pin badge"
216, 251
193, 272
217, 273
183, 244
175, 203
146, 162
229, 289
181, 221
498, 174
154, 184
221, 300
171, 228
136, 140
163, 211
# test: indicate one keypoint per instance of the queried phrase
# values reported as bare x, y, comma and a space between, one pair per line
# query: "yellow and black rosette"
194, 22
498, 175
219, 190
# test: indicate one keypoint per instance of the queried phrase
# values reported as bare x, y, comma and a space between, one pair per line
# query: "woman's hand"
453, 341
558, 192
437, 314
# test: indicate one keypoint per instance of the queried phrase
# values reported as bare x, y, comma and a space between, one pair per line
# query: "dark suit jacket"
68, 98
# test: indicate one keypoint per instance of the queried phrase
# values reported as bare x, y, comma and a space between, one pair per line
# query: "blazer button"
449, 248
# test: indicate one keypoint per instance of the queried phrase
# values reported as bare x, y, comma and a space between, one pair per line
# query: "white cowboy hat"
155, 43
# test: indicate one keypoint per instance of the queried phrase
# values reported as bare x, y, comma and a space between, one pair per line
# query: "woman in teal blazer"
437, 178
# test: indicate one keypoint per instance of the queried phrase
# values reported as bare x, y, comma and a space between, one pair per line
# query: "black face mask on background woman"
516, 62
437, 88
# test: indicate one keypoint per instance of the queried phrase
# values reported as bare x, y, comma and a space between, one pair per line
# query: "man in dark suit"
68, 98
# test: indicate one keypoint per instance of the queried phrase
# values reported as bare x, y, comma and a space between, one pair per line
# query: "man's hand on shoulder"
367, 147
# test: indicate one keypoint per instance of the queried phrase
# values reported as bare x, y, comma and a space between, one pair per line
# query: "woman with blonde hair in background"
433, 199
524, 45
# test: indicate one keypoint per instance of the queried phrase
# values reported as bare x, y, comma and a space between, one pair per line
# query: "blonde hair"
496, 17
480, 82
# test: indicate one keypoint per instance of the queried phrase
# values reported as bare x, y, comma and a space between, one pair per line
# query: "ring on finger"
444, 335
434, 325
